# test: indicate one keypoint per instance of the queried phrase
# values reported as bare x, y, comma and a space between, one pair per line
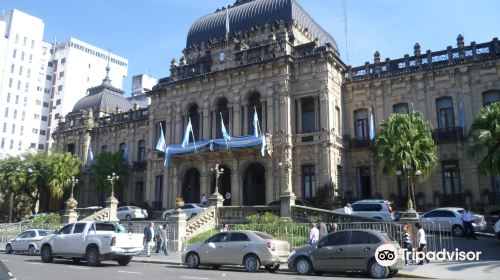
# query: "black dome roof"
103, 97
245, 14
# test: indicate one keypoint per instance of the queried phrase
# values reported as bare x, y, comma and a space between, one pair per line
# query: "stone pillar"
178, 218
236, 189
206, 121
112, 204
70, 215
237, 120
245, 118
216, 200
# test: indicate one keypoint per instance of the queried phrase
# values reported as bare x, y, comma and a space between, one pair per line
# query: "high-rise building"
23, 71
78, 66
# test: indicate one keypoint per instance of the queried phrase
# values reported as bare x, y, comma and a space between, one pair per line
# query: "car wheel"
273, 267
167, 216
92, 257
216, 266
46, 254
128, 217
123, 261
457, 230
251, 263
193, 215
8, 249
192, 260
303, 266
393, 273
32, 250
377, 271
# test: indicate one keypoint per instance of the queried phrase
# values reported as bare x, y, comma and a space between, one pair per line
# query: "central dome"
246, 14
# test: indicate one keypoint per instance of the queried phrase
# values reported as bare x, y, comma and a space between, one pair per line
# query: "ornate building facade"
276, 60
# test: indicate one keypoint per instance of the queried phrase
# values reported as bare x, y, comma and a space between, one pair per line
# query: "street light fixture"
218, 172
112, 179
409, 182
73, 181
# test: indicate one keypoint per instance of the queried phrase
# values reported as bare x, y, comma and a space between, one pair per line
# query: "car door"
188, 210
428, 219
330, 252
76, 238
120, 213
16, 244
236, 246
29, 238
358, 249
211, 252
60, 241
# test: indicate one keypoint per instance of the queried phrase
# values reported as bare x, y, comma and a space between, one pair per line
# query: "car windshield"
43, 232
263, 235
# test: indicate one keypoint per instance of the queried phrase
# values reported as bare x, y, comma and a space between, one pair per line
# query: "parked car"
374, 208
131, 212
248, 248
26, 241
297, 202
93, 208
190, 209
5, 274
92, 241
345, 250
496, 229
450, 219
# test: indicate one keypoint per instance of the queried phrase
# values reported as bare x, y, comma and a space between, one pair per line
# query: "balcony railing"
448, 134
139, 165
359, 143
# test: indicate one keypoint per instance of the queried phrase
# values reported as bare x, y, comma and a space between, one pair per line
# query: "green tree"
63, 166
13, 179
105, 164
404, 143
485, 133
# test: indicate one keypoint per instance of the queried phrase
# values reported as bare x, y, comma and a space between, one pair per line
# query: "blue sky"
149, 33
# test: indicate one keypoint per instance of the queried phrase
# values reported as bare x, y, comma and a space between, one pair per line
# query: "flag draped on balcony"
225, 135
160, 145
372, 126
185, 141
125, 153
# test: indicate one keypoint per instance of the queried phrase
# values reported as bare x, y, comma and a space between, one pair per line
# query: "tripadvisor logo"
386, 255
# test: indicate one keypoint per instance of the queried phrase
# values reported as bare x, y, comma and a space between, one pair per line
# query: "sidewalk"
454, 270
173, 258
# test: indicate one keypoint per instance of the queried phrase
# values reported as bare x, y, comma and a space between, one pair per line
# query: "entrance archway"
254, 185
191, 186
224, 183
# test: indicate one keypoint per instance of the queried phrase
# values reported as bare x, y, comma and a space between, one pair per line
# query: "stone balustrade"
207, 220
237, 214
102, 215
305, 213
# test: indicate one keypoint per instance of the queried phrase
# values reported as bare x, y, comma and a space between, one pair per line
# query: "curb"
409, 275
485, 234
156, 262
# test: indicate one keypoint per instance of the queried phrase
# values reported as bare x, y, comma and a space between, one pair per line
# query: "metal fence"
139, 226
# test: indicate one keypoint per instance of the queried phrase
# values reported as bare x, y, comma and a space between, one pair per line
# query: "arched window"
308, 115
490, 97
195, 122
141, 150
223, 110
254, 102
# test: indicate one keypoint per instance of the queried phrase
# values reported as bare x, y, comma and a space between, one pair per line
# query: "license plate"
283, 259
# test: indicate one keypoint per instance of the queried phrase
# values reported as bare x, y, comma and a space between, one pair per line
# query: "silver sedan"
248, 248
27, 241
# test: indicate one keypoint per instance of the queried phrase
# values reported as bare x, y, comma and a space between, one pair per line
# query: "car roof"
355, 229
448, 208
371, 201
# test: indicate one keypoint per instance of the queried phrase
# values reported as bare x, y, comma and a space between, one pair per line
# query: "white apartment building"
23, 68
78, 66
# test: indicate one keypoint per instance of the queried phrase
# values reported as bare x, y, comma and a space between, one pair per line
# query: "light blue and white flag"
461, 117
263, 148
125, 153
90, 156
185, 141
227, 24
160, 145
225, 135
372, 126
256, 124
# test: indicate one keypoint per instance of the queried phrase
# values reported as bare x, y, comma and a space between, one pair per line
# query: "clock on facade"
222, 56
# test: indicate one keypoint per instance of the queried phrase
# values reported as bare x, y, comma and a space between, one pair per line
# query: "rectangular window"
22, 56
25, 101
41, 146
38, 102
6, 112
17, 99
139, 191
58, 102
444, 108
21, 131
158, 202
17, 39
12, 68
490, 97
44, 118
24, 41
42, 132
400, 108
60, 88
13, 130
15, 114
20, 70
141, 151
29, 73
308, 181
63, 61
31, 58
32, 145
361, 124
70, 148
11, 144
56, 116
35, 131
37, 116
18, 85
32, 44
61, 75
451, 178
2, 144
23, 116
48, 77
10, 82
4, 127
308, 115
14, 54
8, 97
20, 145
104, 148
27, 87
46, 104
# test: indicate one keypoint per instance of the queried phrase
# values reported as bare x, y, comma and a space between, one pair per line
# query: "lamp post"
112, 179
218, 172
409, 181
73, 181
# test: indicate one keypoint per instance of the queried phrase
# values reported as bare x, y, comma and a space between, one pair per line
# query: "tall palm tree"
485, 133
64, 165
404, 143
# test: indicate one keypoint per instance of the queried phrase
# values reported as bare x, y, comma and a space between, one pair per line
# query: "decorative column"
235, 187
204, 178
216, 198
237, 120
245, 118
112, 202
178, 218
206, 120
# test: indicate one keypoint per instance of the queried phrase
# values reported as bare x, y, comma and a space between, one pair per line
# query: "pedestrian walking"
348, 209
323, 231
158, 240
334, 227
130, 228
164, 239
228, 198
422, 242
148, 238
204, 199
407, 244
313, 234
468, 219
225, 228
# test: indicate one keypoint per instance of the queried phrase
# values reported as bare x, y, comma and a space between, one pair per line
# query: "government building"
314, 114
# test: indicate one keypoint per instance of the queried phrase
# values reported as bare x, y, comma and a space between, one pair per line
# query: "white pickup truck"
92, 241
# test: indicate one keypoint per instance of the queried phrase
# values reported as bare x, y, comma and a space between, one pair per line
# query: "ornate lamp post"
73, 181
218, 172
70, 216
409, 180
112, 179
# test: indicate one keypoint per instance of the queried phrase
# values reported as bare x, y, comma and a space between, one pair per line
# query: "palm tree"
404, 143
64, 166
485, 133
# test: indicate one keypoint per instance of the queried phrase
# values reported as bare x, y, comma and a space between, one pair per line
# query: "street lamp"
73, 181
218, 171
112, 179
409, 182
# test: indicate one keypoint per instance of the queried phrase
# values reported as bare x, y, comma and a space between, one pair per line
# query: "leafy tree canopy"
485, 133
105, 164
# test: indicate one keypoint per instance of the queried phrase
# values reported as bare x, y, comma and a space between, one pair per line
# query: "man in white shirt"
228, 198
468, 219
313, 234
204, 199
348, 209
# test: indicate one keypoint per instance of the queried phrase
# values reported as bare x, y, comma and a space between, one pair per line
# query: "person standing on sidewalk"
164, 239
468, 219
323, 231
407, 243
204, 200
158, 239
228, 199
422, 242
313, 234
149, 233
348, 209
